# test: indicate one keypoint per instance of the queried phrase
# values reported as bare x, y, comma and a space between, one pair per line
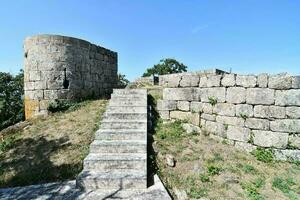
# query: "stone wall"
248, 110
59, 67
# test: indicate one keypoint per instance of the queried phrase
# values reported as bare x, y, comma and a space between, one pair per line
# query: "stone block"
287, 97
246, 80
294, 141
201, 107
171, 80
208, 117
293, 112
166, 105
34, 75
226, 109
28, 85
280, 81
287, 154
217, 92
39, 85
193, 118
228, 80
190, 128
179, 94
264, 96
269, 112
164, 114
183, 105
286, 125
34, 95
235, 121
50, 94
238, 133
244, 110
214, 81
255, 123
236, 95
296, 82
215, 128
243, 146
262, 80
191, 80
270, 139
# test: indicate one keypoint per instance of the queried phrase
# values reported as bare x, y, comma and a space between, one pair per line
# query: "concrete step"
127, 109
124, 116
130, 91
112, 134
125, 146
118, 179
108, 161
124, 124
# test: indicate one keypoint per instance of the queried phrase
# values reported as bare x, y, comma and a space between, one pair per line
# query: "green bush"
63, 105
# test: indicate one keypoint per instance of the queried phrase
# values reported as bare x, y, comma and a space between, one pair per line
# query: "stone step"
130, 92
127, 109
108, 161
118, 179
128, 97
125, 116
127, 103
125, 146
124, 124
112, 134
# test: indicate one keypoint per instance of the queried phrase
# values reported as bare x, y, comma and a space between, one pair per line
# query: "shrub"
212, 100
213, 170
264, 155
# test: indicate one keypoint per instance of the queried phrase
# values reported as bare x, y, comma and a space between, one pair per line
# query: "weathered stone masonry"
59, 67
249, 110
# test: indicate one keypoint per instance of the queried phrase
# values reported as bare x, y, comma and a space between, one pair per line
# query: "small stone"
170, 161
294, 141
180, 194
190, 128
215, 128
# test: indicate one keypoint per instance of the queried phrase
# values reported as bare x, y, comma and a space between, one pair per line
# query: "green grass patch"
264, 155
252, 189
285, 185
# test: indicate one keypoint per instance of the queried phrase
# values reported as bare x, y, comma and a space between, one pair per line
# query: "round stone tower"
65, 68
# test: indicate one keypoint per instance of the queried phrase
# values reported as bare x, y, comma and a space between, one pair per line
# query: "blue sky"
248, 36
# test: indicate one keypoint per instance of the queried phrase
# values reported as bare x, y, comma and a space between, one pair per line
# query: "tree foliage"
166, 66
11, 99
122, 81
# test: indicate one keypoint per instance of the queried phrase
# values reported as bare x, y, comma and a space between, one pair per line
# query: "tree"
166, 66
11, 99
122, 81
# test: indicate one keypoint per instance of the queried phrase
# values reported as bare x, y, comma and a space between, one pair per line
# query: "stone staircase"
118, 155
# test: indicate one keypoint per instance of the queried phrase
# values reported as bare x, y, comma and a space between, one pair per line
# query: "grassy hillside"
49, 149
206, 167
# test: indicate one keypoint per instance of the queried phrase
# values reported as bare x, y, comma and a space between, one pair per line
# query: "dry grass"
49, 149
209, 168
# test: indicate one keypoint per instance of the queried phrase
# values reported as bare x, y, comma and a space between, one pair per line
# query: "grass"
209, 168
49, 149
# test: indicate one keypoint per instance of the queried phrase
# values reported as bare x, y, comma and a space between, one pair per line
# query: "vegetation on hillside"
166, 66
11, 99
51, 148
122, 81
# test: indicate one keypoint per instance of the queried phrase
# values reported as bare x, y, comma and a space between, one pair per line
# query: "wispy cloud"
199, 28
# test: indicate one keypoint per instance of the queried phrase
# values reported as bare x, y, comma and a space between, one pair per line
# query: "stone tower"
65, 68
